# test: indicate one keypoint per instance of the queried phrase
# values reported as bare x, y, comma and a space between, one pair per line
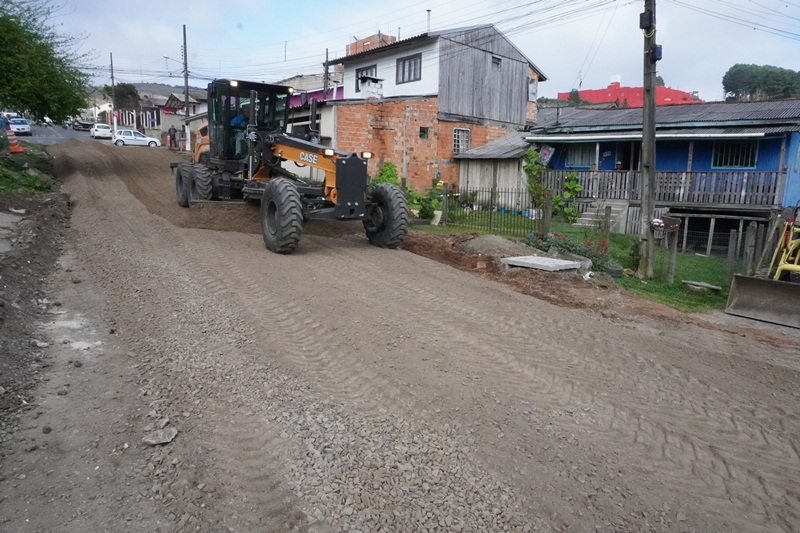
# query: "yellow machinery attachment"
777, 298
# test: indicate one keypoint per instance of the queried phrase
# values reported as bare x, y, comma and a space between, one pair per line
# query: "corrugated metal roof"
696, 115
662, 133
511, 146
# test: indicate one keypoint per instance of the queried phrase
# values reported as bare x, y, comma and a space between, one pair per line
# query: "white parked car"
20, 126
101, 131
134, 138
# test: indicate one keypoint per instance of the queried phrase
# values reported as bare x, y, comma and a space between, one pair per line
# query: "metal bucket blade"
769, 300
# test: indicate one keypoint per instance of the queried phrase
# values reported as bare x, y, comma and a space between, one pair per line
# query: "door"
138, 139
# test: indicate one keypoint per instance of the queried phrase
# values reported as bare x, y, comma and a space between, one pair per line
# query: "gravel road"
351, 388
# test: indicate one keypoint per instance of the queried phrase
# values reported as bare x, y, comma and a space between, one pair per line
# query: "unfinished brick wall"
391, 130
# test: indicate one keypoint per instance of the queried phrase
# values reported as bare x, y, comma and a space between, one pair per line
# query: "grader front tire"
387, 217
201, 184
281, 216
184, 174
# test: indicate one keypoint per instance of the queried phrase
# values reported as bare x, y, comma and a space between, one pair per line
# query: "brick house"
420, 101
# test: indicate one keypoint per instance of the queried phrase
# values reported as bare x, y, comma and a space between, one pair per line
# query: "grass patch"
16, 177
624, 248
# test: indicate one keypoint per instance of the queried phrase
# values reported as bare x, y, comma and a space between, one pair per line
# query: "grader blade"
768, 300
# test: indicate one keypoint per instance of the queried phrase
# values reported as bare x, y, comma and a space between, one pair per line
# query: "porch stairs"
595, 212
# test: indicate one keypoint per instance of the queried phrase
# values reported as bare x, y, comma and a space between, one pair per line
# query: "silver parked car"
134, 138
101, 131
20, 126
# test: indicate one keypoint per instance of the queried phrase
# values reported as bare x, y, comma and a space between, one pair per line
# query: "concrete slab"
7, 221
541, 263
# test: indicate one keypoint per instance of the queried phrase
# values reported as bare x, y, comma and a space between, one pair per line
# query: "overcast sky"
576, 43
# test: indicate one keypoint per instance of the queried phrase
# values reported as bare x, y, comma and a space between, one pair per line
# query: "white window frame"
409, 69
533, 89
461, 140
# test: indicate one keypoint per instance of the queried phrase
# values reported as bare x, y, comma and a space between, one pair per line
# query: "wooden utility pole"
652, 53
186, 91
113, 95
325, 78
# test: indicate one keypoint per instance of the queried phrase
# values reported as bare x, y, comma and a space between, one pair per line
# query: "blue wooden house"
726, 162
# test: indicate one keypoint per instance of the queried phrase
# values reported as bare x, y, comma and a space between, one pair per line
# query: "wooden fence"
686, 188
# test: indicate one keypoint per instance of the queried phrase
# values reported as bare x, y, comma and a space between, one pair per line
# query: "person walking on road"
171, 133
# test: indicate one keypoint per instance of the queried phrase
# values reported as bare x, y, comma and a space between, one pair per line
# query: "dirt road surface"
351, 388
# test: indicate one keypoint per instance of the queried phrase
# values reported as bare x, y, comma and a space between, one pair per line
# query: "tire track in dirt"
672, 444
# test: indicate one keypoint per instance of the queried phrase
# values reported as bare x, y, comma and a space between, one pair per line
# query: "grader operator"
239, 155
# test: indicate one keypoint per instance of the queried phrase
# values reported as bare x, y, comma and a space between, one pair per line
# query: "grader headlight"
328, 152
366, 155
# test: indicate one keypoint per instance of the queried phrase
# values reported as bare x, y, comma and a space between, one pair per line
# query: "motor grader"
240, 155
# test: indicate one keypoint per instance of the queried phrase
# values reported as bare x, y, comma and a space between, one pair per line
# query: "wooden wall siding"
469, 87
720, 188
491, 173
488, 39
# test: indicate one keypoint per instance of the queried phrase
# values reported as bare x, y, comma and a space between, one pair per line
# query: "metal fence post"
445, 204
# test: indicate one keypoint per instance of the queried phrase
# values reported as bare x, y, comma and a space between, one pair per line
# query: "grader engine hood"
346, 176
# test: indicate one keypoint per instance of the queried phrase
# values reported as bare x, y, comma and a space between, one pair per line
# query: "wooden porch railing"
719, 188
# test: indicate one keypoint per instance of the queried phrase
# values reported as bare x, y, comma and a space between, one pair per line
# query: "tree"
39, 71
660, 82
761, 82
575, 96
123, 96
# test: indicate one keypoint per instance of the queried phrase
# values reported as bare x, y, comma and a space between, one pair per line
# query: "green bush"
564, 203
431, 201
387, 173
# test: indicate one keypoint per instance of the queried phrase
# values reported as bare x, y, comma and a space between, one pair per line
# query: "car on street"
134, 138
20, 126
82, 125
101, 131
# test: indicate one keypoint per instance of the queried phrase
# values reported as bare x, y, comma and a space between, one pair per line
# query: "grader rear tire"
201, 184
184, 174
387, 217
281, 216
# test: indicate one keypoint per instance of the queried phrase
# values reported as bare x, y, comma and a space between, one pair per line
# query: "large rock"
496, 246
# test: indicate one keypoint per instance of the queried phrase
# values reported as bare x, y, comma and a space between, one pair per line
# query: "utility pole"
186, 90
113, 95
325, 78
652, 53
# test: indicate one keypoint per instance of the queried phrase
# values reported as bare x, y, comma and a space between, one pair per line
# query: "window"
533, 89
370, 71
409, 69
460, 140
497, 63
580, 155
740, 154
423, 132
